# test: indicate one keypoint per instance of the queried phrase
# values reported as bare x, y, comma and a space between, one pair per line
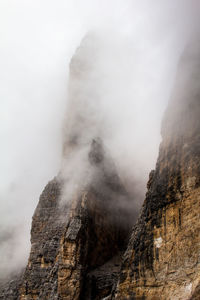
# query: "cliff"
162, 259
76, 247
78, 238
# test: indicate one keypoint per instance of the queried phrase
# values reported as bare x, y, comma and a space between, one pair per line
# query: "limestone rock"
76, 243
162, 259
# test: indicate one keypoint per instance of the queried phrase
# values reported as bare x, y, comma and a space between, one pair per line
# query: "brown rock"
162, 259
72, 244
77, 245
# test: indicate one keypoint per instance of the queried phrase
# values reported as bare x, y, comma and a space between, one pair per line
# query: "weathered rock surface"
77, 245
163, 256
9, 289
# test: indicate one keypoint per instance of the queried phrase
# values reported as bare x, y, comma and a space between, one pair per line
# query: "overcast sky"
37, 41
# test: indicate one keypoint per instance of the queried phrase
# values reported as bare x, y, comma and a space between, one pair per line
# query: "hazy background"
37, 41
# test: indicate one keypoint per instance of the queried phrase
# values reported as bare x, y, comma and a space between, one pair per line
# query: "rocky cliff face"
77, 245
162, 260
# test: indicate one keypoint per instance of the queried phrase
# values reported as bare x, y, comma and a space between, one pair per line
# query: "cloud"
139, 47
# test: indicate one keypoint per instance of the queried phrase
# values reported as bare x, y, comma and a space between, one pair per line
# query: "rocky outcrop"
80, 226
77, 242
9, 288
162, 260
76, 246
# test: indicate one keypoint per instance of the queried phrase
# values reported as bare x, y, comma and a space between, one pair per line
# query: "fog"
133, 69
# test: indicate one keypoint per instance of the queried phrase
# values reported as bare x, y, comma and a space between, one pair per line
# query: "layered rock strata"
80, 226
162, 260
76, 245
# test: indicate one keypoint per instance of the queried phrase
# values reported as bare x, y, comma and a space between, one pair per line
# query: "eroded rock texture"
163, 256
78, 241
76, 247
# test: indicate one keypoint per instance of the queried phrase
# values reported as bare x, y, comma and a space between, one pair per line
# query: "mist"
133, 61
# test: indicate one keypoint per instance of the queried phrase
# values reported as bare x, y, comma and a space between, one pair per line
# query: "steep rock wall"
163, 257
75, 246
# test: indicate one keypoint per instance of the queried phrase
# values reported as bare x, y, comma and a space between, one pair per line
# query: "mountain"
83, 242
71, 243
162, 258
80, 227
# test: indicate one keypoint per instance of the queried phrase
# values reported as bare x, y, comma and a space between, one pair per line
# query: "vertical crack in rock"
77, 244
162, 258
81, 224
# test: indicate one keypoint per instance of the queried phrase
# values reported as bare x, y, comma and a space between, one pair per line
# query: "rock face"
162, 260
77, 245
